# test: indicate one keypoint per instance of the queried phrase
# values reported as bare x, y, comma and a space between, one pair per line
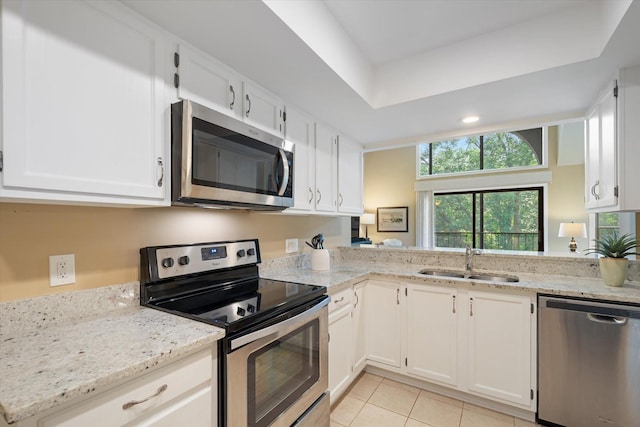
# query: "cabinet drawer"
341, 299
162, 386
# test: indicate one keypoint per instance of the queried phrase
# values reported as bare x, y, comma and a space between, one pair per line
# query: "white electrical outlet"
62, 269
290, 246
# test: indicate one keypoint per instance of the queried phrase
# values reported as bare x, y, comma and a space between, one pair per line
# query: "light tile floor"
373, 401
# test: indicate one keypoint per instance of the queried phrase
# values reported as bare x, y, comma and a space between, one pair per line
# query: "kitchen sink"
493, 278
442, 273
473, 276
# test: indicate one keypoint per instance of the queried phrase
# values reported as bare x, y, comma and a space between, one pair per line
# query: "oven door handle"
254, 336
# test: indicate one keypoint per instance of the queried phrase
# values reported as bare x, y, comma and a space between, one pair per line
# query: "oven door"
274, 375
219, 160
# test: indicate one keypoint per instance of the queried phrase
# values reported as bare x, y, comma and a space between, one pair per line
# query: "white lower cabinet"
479, 343
384, 322
432, 333
340, 359
182, 393
359, 327
340, 342
499, 346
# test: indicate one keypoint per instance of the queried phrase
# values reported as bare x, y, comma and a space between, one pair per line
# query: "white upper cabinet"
326, 166
600, 175
262, 109
83, 104
612, 132
204, 80
350, 179
300, 131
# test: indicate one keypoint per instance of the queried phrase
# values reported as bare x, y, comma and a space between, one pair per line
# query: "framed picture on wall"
393, 219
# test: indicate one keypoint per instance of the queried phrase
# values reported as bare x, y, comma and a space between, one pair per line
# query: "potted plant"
614, 263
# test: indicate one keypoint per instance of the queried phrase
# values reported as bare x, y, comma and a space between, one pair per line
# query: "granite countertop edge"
342, 276
68, 364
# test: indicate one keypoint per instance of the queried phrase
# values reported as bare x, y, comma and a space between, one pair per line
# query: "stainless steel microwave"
217, 160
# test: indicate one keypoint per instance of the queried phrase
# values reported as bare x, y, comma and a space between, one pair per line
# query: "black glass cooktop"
243, 304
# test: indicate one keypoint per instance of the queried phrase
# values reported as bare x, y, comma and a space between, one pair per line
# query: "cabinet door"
299, 130
601, 154
499, 346
262, 109
326, 168
83, 103
340, 349
359, 326
384, 317
349, 176
208, 82
432, 333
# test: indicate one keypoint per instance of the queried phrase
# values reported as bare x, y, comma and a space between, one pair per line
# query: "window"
608, 224
490, 219
500, 150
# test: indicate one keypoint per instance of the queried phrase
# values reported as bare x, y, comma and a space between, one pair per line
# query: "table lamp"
367, 219
573, 230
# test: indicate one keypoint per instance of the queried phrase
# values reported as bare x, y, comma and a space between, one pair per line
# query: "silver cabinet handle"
161, 167
357, 299
339, 300
249, 108
319, 195
341, 199
160, 390
310, 195
454, 304
593, 190
233, 100
470, 306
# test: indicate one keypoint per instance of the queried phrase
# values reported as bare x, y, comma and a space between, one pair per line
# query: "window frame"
543, 165
475, 232
425, 189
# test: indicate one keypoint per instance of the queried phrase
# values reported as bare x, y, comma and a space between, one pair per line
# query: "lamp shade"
368, 219
572, 229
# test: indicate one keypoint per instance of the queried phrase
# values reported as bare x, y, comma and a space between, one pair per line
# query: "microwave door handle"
285, 173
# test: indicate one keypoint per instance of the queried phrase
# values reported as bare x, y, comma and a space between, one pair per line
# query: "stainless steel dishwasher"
588, 363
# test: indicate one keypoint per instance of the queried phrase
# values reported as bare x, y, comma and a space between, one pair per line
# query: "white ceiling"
395, 72
391, 30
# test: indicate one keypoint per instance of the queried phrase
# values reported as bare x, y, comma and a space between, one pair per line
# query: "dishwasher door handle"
609, 320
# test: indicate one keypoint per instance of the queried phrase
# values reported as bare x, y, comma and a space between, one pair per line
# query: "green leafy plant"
612, 246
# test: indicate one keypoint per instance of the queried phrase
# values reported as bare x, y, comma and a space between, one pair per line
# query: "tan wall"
106, 241
566, 198
389, 178
388, 182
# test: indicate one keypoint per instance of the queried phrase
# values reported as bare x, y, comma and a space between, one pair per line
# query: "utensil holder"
320, 260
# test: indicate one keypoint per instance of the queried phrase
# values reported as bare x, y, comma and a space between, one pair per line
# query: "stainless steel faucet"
470, 252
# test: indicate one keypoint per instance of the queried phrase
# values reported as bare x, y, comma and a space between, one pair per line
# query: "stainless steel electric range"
273, 359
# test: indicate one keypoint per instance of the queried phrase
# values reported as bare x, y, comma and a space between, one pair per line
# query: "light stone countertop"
344, 274
54, 349
44, 366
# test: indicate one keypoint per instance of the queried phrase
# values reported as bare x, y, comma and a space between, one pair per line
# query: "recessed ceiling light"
470, 119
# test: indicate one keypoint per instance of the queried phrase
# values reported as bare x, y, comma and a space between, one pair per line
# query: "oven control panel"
180, 260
